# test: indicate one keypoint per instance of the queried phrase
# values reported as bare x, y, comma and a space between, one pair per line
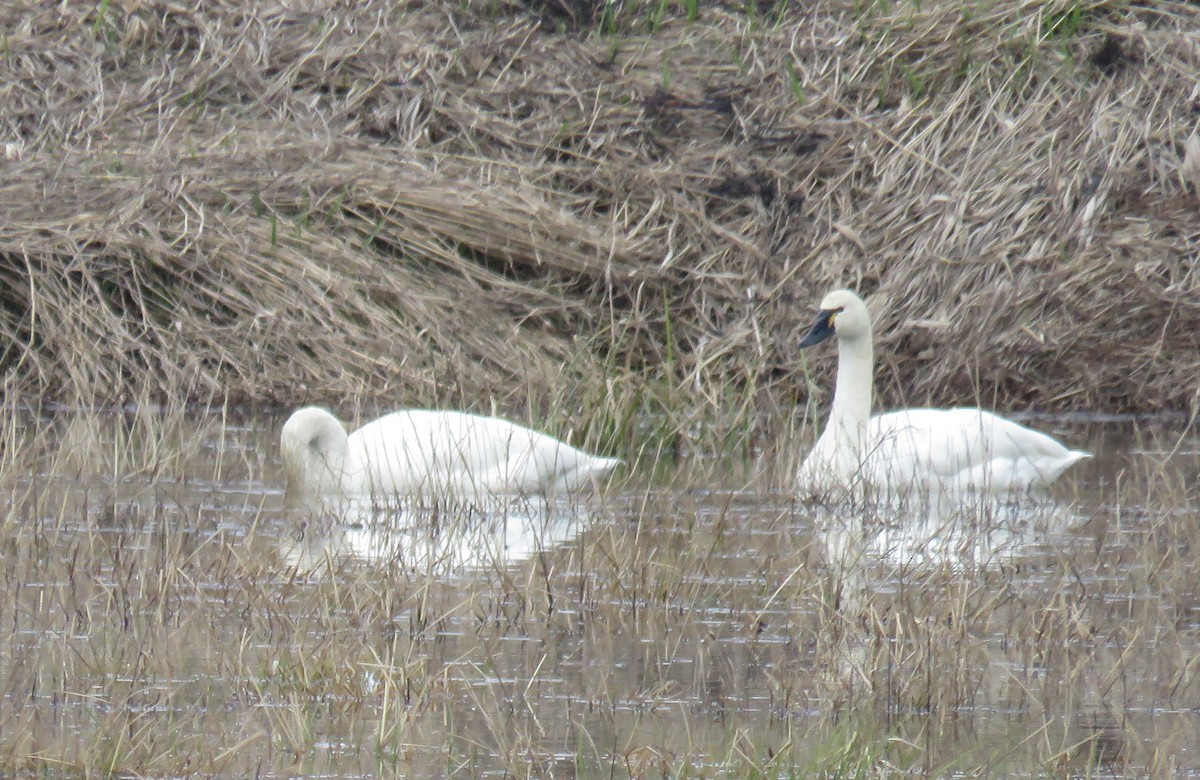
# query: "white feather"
435, 454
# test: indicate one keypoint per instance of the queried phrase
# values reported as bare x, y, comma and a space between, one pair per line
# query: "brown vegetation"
538, 206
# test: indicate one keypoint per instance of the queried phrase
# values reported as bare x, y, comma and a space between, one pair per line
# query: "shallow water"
170, 611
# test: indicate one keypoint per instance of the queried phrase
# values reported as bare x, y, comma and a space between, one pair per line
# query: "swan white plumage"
430, 454
936, 453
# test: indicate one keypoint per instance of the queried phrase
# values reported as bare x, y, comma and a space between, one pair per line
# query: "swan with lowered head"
930, 452
431, 454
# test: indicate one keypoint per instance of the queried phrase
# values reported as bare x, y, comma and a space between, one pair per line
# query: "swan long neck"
326, 467
852, 393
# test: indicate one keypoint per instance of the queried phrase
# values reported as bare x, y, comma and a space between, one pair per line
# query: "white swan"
936, 453
431, 454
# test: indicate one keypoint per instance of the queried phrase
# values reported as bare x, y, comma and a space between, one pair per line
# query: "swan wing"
961, 449
422, 452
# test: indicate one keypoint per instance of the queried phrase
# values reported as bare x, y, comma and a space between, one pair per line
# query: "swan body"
432, 454
929, 452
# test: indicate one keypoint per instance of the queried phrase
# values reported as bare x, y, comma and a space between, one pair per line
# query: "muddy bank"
577, 217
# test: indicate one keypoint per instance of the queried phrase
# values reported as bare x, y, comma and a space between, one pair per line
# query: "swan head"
843, 314
313, 444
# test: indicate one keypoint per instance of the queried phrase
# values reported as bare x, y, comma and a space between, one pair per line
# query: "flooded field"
168, 611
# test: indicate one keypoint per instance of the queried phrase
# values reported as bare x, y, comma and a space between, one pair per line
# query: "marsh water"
168, 610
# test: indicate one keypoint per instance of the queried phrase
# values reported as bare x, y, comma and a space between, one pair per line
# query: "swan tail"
585, 470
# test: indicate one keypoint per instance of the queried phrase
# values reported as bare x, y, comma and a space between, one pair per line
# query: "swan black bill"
821, 329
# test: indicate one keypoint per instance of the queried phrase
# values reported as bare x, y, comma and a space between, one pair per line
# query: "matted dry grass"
576, 214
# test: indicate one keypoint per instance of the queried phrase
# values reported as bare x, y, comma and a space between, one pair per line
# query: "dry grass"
577, 215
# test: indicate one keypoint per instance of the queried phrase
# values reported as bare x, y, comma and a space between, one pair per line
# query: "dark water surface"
169, 611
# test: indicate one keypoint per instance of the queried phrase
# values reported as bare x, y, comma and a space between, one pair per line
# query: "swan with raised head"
931, 452
431, 454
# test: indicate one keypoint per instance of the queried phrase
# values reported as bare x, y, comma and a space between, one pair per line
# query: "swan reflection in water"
899, 577
441, 540
955, 536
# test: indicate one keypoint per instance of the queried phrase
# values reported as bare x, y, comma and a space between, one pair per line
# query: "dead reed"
579, 213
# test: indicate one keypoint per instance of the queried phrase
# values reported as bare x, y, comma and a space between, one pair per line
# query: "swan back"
942, 453
421, 452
